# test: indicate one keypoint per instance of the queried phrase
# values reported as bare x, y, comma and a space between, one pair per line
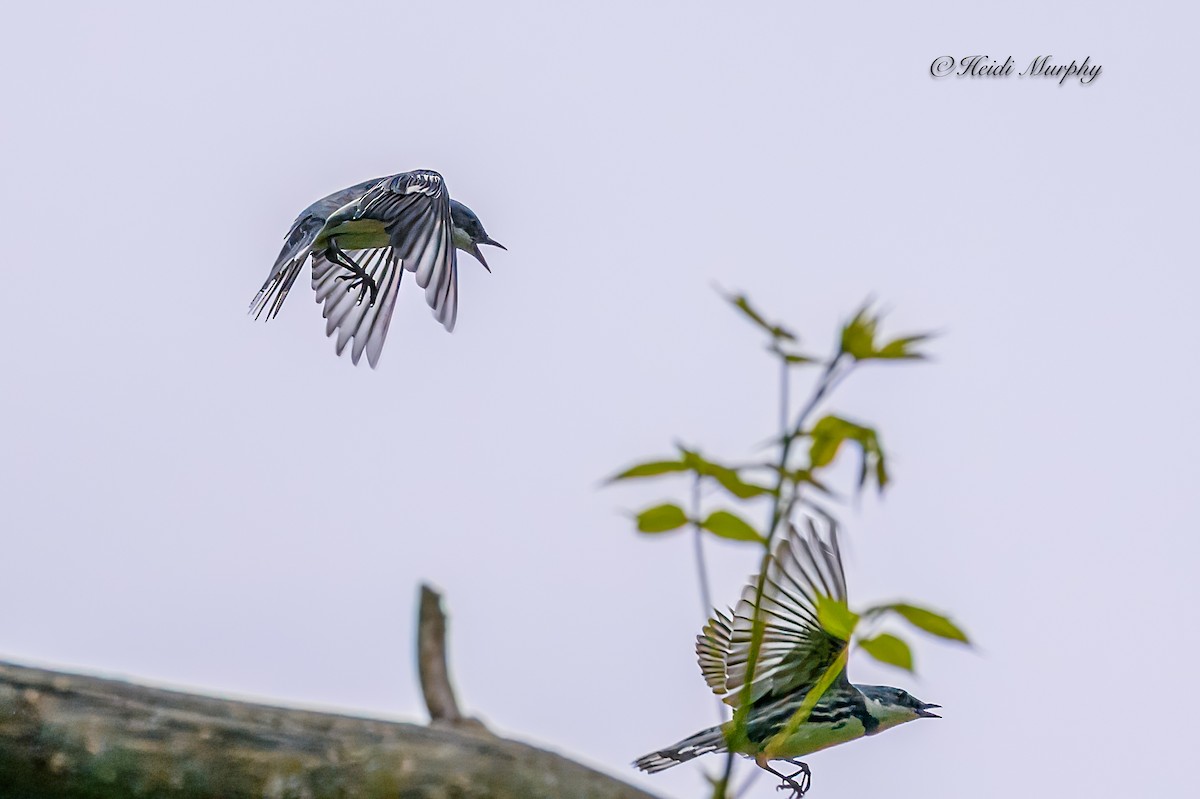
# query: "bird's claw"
798, 788
359, 278
364, 284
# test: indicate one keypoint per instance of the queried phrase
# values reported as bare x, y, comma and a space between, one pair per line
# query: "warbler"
796, 652
364, 238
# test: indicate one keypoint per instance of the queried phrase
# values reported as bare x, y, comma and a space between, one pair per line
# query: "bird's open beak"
479, 255
924, 713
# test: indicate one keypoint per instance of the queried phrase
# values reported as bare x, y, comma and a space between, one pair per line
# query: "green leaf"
726, 477
930, 622
889, 649
901, 348
724, 524
690, 458
649, 469
792, 358
858, 340
836, 617
777, 332
858, 335
734, 484
827, 437
661, 518
881, 472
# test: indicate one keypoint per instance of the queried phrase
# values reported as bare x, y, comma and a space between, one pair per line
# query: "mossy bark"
66, 736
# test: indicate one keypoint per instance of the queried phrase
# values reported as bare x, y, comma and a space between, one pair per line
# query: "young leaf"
881, 472
661, 518
729, 525
827, 436
836, 617
792, 358
777, 332
889, 649
901, 348
734, 484
930, 622
858, 335
728, 478
649, 469
691, 459
858, 340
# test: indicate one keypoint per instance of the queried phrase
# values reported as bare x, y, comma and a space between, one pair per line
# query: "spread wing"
796, 650
295, 248
365, 322
414, 208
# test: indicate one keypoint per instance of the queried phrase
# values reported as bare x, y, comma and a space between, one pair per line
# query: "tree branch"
67, 736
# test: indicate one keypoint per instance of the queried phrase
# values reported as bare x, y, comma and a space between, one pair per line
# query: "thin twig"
706, 605
780, 509
701, 565
785, 380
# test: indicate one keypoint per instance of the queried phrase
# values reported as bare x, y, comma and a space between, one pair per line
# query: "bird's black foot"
359, 278
798, 787
362, 281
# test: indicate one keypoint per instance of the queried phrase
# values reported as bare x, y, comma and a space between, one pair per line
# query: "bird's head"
892, 706
469, 232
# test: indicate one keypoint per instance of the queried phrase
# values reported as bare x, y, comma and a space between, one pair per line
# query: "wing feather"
795, 649
415, 210
365, 323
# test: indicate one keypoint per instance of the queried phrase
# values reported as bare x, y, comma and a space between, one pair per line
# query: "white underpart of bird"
362, 240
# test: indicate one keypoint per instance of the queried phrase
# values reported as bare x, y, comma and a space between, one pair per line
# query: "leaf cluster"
796, 481
793, 480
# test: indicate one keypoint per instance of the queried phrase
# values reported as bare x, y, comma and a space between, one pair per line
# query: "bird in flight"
796, 652
362, 240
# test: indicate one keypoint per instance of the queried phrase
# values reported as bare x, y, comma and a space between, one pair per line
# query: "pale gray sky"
196, 499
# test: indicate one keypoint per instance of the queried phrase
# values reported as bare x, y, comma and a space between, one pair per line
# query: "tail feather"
288, 265
702, 743
272, 294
